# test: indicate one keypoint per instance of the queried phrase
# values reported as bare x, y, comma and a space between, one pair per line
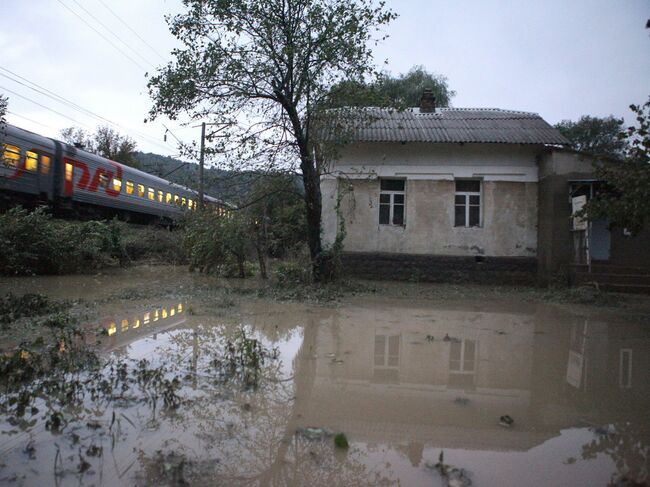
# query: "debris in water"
506, 421
314, 433
341, 441
452, 476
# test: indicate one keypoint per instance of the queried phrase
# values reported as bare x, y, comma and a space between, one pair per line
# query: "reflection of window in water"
625, 368
386, 357
462, 363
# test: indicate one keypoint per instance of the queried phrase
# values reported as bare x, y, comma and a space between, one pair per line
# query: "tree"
402, 91
625, 199
260, 69
105, 142
597, 136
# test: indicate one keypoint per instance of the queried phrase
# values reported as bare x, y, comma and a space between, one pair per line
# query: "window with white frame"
391, 202
467, 203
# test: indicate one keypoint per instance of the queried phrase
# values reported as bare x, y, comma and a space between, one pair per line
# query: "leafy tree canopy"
260, 69
105, 142
402, 91
595, 135
626, 199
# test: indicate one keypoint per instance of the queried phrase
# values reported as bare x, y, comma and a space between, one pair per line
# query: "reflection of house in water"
443, 377
122, 330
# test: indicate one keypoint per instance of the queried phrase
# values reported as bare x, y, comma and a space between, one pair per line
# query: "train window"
68, 171
117, 184
168, 198
45, 164
125, 325
160, 196
31, 161
10, 155
136, 323
151, 194
129, 187
103, 180
183, 202
190, 204
147, 318
176, 199
141, 190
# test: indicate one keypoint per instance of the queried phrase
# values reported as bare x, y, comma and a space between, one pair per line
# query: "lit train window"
31, 161
176, 199
147, 318
141, 190
125, 325
164, 313
10, 155
160, 196
151, 194
117, 184
136, 324
129, 187
183, 202
190, 204
112, 329
168, 198
180, 307
45, 164
172, 311
155, 315
68, 171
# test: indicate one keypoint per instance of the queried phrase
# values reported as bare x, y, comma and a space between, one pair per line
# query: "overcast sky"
559, 58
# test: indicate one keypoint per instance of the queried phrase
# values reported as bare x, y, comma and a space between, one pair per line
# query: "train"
37, 170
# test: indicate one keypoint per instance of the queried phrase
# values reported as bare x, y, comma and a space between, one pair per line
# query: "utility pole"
201, 158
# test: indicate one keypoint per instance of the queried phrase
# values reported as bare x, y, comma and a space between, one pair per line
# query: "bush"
35, 243
152, 244
293, 273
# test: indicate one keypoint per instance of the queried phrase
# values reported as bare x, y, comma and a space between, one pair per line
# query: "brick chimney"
427, 102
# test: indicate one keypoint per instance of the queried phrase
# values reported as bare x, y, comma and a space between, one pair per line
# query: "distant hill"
232, 186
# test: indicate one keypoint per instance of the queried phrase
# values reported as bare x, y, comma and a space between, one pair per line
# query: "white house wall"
509, 199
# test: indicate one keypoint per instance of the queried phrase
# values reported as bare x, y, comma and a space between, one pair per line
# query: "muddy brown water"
404, 379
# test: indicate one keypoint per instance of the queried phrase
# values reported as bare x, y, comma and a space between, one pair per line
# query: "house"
431, 193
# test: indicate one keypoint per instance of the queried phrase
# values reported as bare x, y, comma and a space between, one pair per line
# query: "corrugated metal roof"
470, 125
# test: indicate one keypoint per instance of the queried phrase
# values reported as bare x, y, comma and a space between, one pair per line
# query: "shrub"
293, 273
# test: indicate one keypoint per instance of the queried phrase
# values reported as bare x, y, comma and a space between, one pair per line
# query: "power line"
103, 37
132, 30
113, 33
75, 106
9, 112
43, 106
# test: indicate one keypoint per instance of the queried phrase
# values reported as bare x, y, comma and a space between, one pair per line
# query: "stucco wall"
509, 219
509, 177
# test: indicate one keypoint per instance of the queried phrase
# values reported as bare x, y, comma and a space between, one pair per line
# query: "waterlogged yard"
153, 376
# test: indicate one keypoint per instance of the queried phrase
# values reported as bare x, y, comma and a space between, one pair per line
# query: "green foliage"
152, 244
259, 69
402, 91
341, 441
625, 201
105, 142
595, 135
291, 273
36, 243
14, 307
213, 241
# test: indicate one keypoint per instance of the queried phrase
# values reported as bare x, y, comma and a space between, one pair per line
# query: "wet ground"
263, 386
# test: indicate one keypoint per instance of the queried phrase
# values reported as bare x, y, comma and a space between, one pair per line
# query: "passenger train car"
37, 169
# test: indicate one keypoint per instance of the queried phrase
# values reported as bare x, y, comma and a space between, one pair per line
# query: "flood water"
403, 379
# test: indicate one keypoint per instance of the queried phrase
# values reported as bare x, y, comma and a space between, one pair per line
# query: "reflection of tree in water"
249, 437
628, 445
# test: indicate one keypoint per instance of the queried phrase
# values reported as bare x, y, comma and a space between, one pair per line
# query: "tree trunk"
262, 260
240, 264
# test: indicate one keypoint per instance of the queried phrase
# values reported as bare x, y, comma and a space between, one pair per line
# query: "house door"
599, 240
